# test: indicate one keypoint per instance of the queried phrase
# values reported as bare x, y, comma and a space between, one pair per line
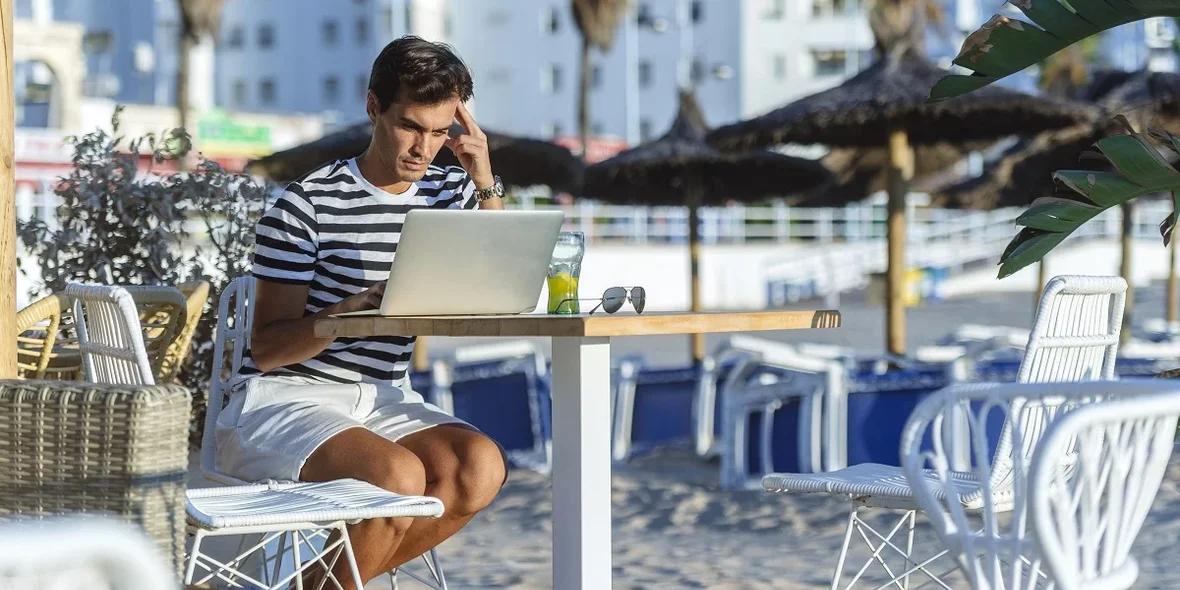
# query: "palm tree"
198, 19
597, 22
1139, 162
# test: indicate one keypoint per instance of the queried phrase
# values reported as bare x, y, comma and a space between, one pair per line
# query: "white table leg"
581, 464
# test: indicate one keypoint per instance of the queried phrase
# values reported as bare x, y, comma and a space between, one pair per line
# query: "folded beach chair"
502, 389
1075, 337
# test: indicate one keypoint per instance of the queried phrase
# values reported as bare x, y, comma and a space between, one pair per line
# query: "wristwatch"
496, 190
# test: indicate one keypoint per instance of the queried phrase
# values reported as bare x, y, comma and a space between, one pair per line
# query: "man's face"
407, 136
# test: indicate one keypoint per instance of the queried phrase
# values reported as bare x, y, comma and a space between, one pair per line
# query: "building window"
362, 86
386, 22
775, 9
596, 76
239, 92
644, 15
266, 36
646, 74
829, 63
266, 92
362, 31
645, 129
331, 89
597, 129
448, 25
551, 79
698, 11
330, 33
550, 20
235, 38
780, 67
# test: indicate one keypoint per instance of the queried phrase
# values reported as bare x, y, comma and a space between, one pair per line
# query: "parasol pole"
1172, 303
1128, 245
694, 262
7, 203
1042, 278
420, 358
901, 171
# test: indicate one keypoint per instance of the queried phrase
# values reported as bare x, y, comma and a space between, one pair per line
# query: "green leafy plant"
118, 225
1137, 163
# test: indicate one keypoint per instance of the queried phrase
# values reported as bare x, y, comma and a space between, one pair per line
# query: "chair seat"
279, 504
869, 484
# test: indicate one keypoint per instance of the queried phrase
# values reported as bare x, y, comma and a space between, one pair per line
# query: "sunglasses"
612, 299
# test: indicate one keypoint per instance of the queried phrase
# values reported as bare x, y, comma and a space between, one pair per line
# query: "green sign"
218, 135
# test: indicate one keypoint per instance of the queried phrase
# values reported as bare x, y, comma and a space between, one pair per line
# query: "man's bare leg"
361, 454
465, 469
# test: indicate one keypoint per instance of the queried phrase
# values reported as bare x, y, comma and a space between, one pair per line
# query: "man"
318, 409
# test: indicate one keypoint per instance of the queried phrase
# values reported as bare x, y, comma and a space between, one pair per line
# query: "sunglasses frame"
602, 300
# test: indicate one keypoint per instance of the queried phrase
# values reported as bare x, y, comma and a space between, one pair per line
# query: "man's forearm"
287, 342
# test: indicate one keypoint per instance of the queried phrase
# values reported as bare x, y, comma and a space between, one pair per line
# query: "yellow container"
563, 293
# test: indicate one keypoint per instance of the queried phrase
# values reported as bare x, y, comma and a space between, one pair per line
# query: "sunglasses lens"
613, 299
638, 298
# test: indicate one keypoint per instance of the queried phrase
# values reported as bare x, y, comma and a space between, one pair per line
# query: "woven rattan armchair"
46, 344
77, 447
196, 295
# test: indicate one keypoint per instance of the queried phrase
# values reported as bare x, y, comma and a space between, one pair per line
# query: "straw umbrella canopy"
680, 168
886, 105
520, 161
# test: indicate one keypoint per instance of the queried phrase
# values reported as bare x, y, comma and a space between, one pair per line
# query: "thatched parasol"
885, 105
680, 168
1025, 171
520, 161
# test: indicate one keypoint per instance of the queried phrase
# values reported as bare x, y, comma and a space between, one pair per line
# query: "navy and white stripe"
338, 234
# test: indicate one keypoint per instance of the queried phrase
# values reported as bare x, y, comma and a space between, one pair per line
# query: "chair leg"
193, 555
844, 550
436, 569
909, 548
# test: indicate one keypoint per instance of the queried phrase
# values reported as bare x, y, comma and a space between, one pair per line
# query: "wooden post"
7, 204
1172, 304
1128, 247
1042, 278
901, 170
694, 274
420, 358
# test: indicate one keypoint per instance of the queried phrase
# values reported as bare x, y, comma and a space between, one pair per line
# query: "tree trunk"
7, 203
694, 273
1172, 303
182, 76
901, 171
584, 99
1128, 247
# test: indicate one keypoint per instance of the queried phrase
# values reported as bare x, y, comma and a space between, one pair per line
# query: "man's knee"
480, 474
402, 473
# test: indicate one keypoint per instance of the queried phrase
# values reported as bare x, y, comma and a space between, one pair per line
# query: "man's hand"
471, 148
365, 300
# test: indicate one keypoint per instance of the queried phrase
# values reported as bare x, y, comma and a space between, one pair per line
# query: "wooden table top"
580, 325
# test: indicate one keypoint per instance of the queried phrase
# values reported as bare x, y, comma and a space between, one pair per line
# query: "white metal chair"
964, 505
1074, 338
789, 377
93, 552
1122, 448
295, 515
109, 337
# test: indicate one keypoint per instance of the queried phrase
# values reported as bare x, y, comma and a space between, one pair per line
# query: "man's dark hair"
429, 72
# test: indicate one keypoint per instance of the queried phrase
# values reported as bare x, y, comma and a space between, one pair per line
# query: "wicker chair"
46, 345
197, 295
78, 447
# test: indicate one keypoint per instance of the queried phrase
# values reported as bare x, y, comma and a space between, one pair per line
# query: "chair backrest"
1000, 556
235, 314
162, 317
1075, 336
109, 335
1086, 518
45, 344
196, 294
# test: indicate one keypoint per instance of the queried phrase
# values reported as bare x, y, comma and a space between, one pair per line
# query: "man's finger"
467, 121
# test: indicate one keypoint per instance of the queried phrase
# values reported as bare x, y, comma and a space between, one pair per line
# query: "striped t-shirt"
337, 233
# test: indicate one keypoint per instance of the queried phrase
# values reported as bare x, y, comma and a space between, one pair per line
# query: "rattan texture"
77, 447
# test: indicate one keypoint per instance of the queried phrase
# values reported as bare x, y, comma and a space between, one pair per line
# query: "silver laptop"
469, 262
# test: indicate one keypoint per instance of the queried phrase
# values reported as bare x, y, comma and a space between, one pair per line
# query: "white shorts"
272, 424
